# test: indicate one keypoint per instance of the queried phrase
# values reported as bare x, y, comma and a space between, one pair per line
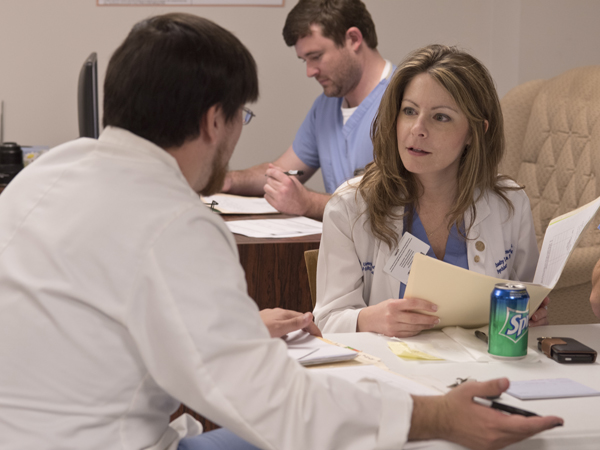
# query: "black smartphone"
566, 350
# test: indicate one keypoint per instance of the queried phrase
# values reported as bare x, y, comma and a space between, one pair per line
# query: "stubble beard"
347, 78
218, 173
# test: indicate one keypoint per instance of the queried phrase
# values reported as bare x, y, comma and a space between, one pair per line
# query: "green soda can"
509, 321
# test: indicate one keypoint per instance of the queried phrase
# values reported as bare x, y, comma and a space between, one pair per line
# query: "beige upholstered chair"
553, 148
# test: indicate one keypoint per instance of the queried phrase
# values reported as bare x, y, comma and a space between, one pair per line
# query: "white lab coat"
122, 296
351, 260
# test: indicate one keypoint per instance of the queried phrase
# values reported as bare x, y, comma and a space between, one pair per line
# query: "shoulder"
512, 192
324, 103
347, 198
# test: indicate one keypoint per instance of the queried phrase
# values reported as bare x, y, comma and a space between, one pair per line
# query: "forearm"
316, 204
425, 421
249, 181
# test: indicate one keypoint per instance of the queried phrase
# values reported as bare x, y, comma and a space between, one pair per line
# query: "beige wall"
44, 42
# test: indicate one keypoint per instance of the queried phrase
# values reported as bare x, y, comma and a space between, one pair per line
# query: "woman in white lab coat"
438, 139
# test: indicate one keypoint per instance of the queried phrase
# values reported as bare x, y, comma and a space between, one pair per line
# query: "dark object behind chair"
87, 98
11, 162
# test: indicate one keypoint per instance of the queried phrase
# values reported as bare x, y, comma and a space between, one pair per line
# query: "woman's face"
432, 130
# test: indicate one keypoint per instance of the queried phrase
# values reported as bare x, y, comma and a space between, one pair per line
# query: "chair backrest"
552, 130
310, 257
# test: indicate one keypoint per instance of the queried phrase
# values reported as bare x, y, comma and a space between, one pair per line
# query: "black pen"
481, 336
294, 172
503, 407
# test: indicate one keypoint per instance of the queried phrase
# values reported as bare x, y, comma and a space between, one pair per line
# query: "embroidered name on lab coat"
502, 264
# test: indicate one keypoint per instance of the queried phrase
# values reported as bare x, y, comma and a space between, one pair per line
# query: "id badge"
401, 260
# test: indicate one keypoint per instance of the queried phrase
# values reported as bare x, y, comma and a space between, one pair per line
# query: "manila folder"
462, 296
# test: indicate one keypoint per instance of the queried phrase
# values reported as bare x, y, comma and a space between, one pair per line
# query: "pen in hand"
292, 173
502, 407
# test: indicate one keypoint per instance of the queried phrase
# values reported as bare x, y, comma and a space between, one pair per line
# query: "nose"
311, 70
419, 127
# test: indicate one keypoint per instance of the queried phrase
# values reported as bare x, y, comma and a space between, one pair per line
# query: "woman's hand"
398, 317
540, 317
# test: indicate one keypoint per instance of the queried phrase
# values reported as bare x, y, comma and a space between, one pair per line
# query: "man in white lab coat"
122, 295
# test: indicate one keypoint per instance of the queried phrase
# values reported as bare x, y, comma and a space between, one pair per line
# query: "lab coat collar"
133, 143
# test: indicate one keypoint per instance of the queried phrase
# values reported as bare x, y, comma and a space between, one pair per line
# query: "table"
275, 269
581, 430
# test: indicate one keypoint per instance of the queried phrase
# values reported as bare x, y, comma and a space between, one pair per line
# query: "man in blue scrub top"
337, 41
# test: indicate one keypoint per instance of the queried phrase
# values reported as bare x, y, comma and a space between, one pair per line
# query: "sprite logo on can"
515, 326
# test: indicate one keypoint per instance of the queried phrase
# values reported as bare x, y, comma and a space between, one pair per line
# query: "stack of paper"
276, 228
549, 388
309, 350
236, 204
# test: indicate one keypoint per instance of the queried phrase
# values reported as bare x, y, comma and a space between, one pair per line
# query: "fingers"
414, 304
540, 317
280, 322
312, 328
491, 388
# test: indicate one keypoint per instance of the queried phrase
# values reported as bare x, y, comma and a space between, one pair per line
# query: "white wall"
44, 42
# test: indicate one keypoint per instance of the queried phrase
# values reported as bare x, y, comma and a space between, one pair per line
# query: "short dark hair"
169, 71
334, 17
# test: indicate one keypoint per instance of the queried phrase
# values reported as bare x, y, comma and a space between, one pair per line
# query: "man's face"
223, 155
337, 69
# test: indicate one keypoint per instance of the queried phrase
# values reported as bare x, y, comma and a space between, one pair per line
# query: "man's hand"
287, 194
398, 317
283, 321
540, 317
456, 418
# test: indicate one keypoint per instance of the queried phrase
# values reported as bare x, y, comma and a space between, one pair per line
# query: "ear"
354, 38
486, 125
210, 125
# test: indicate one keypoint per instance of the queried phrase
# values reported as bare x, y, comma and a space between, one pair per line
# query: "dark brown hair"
169, 71
388, 184
334, 17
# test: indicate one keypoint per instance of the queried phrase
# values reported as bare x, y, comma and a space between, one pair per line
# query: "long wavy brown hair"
387, 184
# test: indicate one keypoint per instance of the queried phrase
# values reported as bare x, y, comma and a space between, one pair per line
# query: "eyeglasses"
248, 115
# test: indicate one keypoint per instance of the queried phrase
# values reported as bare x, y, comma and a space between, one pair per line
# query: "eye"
315, 58
442, 118
408, 111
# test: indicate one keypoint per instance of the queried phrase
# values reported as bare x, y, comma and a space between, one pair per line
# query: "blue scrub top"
456, 247
323, 141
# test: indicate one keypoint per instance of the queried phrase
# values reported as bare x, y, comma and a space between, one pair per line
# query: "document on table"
463, 296
549, 388
357, 373
310, 350
276, 228
237, 204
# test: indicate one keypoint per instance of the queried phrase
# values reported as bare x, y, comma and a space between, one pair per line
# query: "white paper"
549, 388
237, 204
276, 228
308, 349
357, 373
478, 349
401, 260
560, 239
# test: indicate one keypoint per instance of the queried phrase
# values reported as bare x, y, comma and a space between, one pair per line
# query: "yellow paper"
402, 350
